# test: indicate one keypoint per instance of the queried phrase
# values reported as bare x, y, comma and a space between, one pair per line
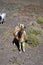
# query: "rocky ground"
19, 11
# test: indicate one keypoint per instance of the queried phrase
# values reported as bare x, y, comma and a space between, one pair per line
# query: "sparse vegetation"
32, 37
35, 31
32, 40
1, 48
15, 15
40, 20
14, 48
14, 61
41, 3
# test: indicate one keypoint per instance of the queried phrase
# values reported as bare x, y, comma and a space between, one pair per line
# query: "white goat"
2, 17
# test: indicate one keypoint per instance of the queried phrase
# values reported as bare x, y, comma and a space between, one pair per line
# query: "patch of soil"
32, 8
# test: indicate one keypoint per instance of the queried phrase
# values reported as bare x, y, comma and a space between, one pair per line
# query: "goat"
2, 17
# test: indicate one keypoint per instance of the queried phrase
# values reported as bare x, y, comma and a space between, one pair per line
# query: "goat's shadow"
16, 42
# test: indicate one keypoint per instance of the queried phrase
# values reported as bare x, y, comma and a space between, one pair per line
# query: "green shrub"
40, 20
32, 36
32, 40
35, 31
